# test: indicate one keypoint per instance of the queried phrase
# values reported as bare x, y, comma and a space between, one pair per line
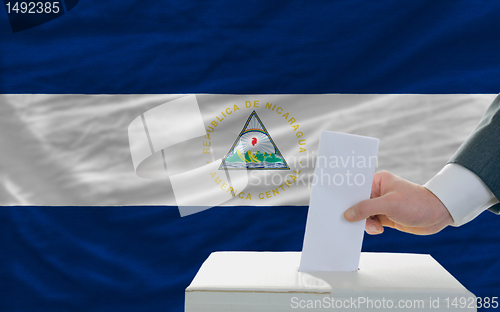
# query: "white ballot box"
271, 281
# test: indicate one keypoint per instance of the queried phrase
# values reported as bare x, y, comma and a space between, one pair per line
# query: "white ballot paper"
342, 177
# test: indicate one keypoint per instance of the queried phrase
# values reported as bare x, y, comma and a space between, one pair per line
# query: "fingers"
367, 208
373, 226
386, 221
376, 189
380, 179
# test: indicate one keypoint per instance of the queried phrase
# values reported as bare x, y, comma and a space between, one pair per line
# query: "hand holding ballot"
468, 185
400, 204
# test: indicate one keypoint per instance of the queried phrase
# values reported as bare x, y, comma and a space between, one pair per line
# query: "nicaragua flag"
116, 119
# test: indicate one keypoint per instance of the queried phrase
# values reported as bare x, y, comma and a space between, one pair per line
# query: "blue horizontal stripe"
142, 258
257, 47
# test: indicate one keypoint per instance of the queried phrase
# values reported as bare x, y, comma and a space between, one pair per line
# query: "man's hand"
402, 205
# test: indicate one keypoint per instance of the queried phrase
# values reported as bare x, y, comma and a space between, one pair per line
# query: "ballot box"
271, 282
330, 273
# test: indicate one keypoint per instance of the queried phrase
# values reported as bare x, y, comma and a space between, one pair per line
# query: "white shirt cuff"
462, 192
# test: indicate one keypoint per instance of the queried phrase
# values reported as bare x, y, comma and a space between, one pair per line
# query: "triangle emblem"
254, 149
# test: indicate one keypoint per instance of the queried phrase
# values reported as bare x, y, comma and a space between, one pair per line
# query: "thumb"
367, 208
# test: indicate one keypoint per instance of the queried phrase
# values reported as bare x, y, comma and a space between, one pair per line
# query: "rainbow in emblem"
254, 149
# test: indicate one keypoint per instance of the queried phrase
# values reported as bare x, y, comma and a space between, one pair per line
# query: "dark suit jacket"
480, 153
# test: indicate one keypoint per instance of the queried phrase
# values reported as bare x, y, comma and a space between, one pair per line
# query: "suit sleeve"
480, 153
